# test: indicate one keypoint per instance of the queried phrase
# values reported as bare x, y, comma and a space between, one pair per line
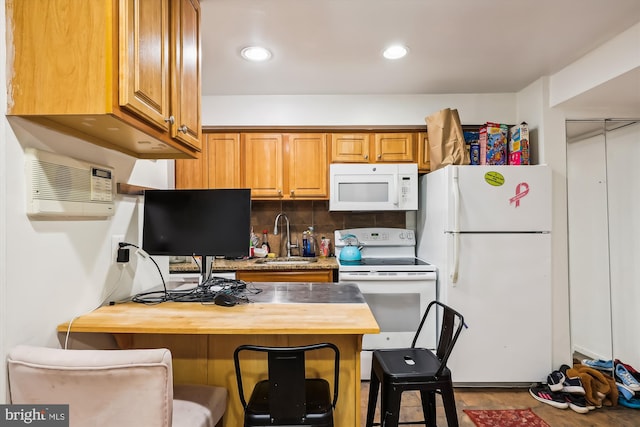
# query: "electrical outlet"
115, 239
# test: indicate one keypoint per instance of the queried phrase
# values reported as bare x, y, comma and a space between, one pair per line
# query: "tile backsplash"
303, 214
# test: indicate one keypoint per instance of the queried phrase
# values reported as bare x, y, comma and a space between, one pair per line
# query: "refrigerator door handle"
455, 188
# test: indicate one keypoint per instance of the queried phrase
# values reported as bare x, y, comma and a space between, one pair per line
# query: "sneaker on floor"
625, 391
623, 375
603, 365
571, 384
576, 403
632, 371
542, 393
555, 380
634, 402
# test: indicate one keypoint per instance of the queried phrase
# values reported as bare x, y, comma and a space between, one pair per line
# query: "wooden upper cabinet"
350, 147
423, 152
144, 60
395, 147
263, 164
185, 65
217, 167
223, 160
307, 160
101, 72
192, 174
392, 147
285, 166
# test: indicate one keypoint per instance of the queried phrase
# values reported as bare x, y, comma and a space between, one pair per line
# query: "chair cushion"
198, 405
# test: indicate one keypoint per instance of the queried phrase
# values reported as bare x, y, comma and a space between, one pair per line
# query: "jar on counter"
325, 247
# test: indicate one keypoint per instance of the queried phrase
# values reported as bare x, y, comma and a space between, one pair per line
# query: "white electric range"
396, 285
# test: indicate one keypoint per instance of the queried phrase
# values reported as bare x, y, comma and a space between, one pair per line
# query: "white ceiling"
456, 46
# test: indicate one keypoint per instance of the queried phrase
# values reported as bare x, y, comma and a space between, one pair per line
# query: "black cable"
204, 293
145, 297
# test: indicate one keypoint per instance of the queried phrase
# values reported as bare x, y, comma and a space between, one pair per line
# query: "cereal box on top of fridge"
519, 144
497, 139
472, 139
482, 142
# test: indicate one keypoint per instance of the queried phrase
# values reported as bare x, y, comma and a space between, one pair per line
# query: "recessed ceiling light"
395, 52
255, 53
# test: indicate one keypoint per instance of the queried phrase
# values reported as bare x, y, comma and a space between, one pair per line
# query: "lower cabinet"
286, 275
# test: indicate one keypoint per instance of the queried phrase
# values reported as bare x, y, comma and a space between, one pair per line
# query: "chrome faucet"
275, 232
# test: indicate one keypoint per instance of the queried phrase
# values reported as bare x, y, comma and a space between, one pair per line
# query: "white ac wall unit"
59, 186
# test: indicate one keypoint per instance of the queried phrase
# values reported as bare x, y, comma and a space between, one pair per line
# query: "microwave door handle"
397, 190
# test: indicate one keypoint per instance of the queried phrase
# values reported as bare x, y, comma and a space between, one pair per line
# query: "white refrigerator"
487, 229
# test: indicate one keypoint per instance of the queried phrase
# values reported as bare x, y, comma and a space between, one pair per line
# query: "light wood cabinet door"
395, 147
223, 160
217, 167
350, 147
185, 69
192, 174
306, 166
263, 164
423, 152
144, 60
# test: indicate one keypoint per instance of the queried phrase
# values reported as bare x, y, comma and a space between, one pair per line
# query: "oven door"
397, 304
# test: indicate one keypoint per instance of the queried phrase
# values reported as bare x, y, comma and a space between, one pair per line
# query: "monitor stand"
205, 268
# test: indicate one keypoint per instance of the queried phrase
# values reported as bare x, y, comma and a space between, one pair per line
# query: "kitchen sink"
287, 260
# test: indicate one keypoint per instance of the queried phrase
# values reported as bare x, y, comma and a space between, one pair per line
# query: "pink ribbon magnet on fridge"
522, 190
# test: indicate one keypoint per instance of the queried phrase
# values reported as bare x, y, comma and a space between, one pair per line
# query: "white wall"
352, 110
548, 138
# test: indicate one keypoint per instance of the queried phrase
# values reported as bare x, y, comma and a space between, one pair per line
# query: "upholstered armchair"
124, 388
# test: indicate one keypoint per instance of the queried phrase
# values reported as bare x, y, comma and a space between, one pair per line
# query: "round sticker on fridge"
494, 178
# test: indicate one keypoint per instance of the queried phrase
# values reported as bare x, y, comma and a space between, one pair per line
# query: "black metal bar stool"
398, 370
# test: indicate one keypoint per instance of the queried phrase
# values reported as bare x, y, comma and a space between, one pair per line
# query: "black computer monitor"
197, 222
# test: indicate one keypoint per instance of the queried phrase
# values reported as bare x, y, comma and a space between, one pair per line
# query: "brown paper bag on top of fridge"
446, 139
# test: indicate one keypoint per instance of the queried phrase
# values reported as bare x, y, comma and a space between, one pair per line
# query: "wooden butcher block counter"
202, 337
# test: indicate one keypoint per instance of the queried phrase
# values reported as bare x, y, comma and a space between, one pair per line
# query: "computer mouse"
224, 299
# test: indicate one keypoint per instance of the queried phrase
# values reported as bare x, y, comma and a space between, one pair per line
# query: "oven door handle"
369, 277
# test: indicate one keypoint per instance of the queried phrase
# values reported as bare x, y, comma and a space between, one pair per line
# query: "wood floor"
472, 398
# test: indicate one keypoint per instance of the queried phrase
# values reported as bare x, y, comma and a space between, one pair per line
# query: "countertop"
349, 314
328, 263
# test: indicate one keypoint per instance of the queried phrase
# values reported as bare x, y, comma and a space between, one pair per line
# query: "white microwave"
373, 187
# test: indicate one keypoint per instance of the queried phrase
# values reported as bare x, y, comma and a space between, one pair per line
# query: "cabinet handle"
366, 157
292, 193
183, 129
379, 156
171, 120
279, 192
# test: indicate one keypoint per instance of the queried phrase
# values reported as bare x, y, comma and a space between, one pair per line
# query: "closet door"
588, 244
623, 171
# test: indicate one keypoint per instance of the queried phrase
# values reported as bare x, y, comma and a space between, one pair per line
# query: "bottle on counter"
305, 243
325, 247
265, 240
253, 243
309, 245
